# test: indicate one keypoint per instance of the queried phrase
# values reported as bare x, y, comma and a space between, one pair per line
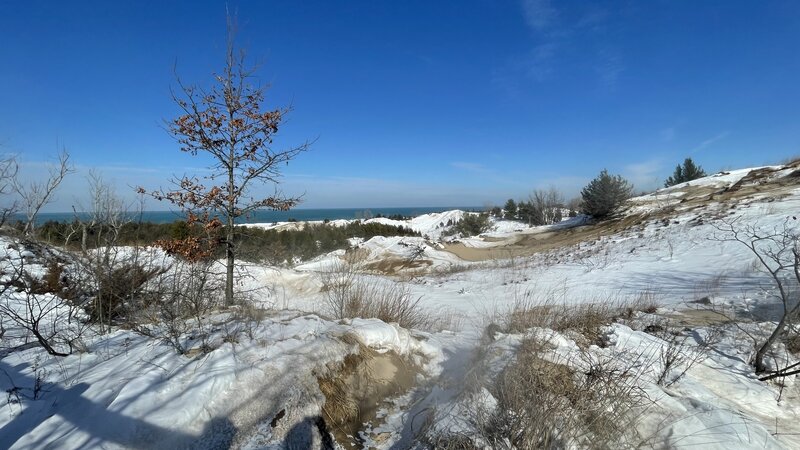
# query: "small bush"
544, 399
471, 225
53, 281
547, 404
119, 290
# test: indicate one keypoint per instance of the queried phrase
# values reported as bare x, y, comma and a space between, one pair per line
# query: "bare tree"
106, 214
547, 206
117, 278
778, 255
8, 175
36, 194
229, 123
574, 206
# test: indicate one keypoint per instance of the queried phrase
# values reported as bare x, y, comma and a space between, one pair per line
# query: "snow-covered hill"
268, 377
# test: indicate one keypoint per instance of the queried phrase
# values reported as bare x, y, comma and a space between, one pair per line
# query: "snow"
127, 390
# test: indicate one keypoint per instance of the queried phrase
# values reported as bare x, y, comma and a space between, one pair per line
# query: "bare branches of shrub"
777, 254
180, 299
541, 400
35, 194
680, 355
33, 308
8, 174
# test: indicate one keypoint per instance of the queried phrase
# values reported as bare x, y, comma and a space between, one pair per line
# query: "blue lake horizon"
268, 216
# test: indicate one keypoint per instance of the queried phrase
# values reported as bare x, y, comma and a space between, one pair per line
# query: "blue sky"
413, 103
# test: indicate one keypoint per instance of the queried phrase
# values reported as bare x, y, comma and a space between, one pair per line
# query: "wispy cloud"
472, 167
489, 175
554, 35
645, 175
667, 134
609, 66
539, 14
711, 141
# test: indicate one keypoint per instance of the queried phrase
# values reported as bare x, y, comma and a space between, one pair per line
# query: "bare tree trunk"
229, 253
762, 351
231, 213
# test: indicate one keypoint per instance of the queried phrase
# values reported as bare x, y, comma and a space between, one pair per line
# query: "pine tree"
604, 194
510, 209
688, 172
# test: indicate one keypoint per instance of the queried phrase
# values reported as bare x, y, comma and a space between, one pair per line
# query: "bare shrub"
777, 253
346, 295
31, 308
546, 401
181, 298
8, 173
679, 355
546, 207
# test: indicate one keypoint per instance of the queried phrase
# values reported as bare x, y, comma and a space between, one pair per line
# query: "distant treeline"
253, 244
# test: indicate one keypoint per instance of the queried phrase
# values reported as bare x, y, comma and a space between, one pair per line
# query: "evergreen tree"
604, 194
525, 212
510, 209
688, 172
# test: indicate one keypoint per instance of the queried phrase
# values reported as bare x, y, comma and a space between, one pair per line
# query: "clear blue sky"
414, 103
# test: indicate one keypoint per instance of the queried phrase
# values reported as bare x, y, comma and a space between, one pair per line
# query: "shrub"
687, 172
177, 303
471, 225
548, 404
119, 290
605, 194
347, 296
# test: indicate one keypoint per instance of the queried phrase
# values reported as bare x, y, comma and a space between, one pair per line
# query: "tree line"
599, 199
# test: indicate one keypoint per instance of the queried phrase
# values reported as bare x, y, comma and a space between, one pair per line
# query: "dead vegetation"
358, 387
542, 400
349, 295
585, 319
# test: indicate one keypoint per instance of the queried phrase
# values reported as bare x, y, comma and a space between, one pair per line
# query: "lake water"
266, 216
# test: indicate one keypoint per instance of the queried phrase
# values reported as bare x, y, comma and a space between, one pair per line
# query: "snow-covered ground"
258, 385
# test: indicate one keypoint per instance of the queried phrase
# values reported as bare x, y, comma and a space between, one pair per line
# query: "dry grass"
587, 319
562, 406
389, 302
545, 401
349, 295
